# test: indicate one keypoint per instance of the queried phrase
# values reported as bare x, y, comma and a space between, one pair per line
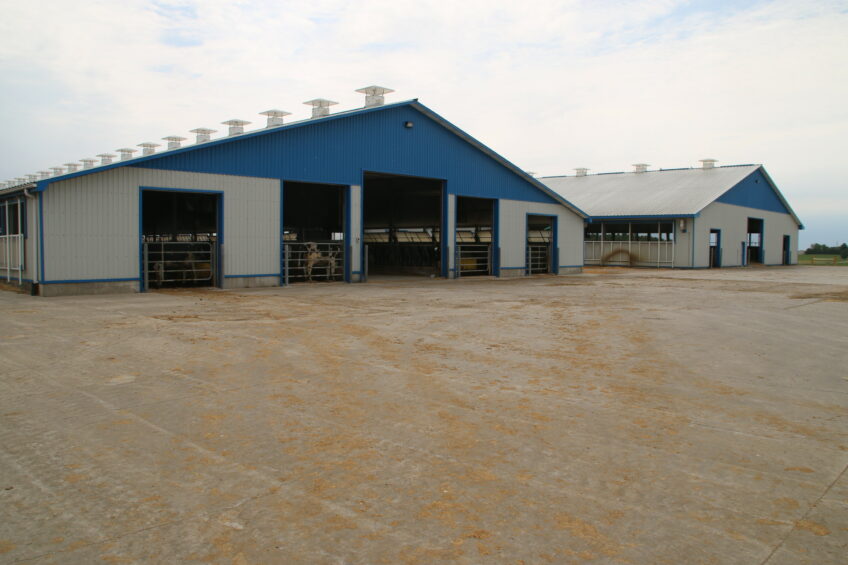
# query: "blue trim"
512, 268
251, 276
71, 281
570, 266
41, 235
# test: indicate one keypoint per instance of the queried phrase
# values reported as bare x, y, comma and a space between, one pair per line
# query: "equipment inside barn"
402, 225
180, 238
540, 237
474, 236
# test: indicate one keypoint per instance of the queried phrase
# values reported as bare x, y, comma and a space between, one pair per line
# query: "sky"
550, 85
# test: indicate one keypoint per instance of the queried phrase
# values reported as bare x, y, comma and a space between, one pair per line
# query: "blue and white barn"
702, 217
387, 189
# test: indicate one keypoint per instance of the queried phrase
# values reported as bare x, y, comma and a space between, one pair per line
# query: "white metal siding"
91, 226
355, 230
512, 224
450, 233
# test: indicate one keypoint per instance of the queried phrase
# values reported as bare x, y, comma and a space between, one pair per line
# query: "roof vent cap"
106, 158
374, 95
236, 126
203, 134
640, 167
44, 174
126, 153
32, 178
275, 117
581, 171
88, 163
57, 171
148, 148
708, 163
320, 107
174, 141
72, 167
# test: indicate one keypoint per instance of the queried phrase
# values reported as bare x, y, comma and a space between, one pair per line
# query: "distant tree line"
822, 249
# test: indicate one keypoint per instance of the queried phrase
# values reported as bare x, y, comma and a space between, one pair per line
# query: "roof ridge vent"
148, 148
57, 171
708, 163
640, 167
374, 95
44, 174
236, 126
32, 178
275, 117
88, 163
72, 167
106, 158
174, 141
203, 134
320, 107
126, 153
581, 171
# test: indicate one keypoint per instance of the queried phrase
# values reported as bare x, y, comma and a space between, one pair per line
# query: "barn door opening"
180, 238
402, 225
755, 241
715, 248
787, 249
539, 257
313, 232
474, 236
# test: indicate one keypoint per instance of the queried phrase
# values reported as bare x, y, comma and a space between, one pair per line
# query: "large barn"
388, 189
701, 217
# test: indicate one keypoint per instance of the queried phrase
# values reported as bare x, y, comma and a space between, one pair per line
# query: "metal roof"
670, 192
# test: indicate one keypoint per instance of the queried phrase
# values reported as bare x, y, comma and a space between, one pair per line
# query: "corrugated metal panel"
654, 193
513, 233
338, 151
91, 222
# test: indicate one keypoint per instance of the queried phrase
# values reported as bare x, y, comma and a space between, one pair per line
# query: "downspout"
36, 246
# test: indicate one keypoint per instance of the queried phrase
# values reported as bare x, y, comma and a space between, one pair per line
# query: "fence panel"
311, 261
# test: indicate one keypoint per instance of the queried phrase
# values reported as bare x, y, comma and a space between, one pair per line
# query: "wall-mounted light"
408, 125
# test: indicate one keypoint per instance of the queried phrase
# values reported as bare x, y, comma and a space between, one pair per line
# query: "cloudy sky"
551, 85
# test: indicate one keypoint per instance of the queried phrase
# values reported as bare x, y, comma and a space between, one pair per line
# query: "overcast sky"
550, 85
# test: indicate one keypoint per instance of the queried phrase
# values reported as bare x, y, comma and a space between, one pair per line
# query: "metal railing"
12, 256
473, 259
621, 253
179, 263
538, 258
311, 261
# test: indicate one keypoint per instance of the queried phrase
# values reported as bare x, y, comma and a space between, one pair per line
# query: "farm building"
387, 189
701, 217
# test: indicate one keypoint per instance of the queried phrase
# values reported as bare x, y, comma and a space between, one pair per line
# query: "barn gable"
757, 191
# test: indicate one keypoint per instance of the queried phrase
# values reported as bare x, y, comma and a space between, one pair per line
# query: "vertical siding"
513, 233
91, 226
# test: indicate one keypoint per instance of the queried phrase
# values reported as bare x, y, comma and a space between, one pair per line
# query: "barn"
382, 190
708, 216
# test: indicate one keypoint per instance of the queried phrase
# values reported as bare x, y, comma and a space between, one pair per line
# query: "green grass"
804, 259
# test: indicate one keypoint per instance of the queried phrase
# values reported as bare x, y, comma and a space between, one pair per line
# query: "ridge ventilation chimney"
275, 117
57, 171
44, 174
88, 163
174, 141
320, 107
126, 153
148, 148
106, 158
236, 126
203, 134
374, 95
640, 167
581, 171
708, 163
72, 167
32, 178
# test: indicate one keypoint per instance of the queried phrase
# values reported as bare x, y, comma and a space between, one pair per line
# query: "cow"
314, 258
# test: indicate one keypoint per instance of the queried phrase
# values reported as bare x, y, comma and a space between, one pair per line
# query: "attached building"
387, 189
685, 218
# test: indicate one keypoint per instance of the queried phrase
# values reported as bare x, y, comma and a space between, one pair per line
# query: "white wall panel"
512, 224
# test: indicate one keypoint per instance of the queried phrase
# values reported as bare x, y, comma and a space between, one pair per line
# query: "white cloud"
551, 85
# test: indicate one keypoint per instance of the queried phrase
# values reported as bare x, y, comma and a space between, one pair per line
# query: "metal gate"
12, 257
538, 258
473, 259
179, 263
311, 261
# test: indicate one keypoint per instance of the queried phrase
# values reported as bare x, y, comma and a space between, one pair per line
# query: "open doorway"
541, 245
474, 236
755, 241
180, 238
402, 225
787, 249
715, 248
313, 232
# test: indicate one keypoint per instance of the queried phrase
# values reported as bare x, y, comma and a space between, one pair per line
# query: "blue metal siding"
338, 151
754, 191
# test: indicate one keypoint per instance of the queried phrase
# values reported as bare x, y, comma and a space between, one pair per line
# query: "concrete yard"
618, 416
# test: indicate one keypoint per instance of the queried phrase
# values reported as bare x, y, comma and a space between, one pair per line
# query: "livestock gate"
629, 243
12, 239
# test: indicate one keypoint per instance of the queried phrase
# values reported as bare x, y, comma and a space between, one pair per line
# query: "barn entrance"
474, 236
402, 225
541, 246
313, 232
180, 238
755, 241
715, 248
